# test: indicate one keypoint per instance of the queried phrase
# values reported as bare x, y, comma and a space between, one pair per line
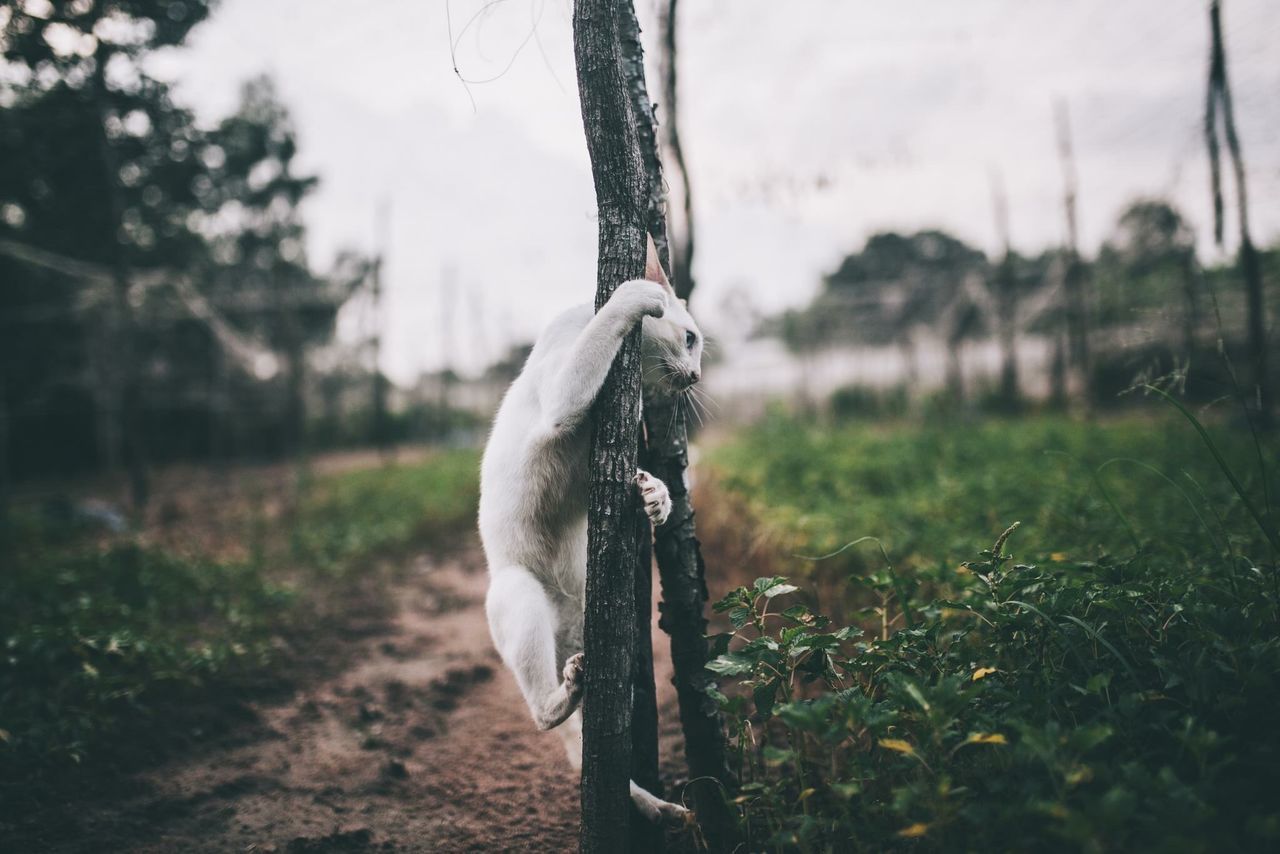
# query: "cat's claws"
573, 675
657, 501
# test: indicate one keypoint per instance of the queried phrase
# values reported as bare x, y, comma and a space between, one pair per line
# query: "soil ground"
403, 731
417, 740
423, 745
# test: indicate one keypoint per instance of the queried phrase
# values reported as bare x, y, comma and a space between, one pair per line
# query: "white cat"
533, 493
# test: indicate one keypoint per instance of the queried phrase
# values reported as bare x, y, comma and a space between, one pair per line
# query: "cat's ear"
652, 266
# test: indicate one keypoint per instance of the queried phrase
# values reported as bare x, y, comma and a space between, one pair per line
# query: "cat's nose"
694, 376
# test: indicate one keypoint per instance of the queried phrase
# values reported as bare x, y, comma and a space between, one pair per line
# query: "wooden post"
609, 630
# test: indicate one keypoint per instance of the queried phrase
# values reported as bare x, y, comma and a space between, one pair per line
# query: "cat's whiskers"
692, 402
704, 396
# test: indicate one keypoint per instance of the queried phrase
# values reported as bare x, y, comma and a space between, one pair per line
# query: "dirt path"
423, 745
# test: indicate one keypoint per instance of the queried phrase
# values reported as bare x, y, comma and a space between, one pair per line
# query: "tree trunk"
1008, 302
125, 393
1075, 281
644, 698
378, 401
609, 632
681, 267
955, 367
1251, 271
645, 836
1191, 309
646, 131
666, 456
1006, 294
683, 609
1058, 372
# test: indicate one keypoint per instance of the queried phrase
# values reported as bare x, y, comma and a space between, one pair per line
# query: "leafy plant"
1117, 694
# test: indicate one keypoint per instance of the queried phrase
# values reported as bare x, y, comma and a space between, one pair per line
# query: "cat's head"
672, 349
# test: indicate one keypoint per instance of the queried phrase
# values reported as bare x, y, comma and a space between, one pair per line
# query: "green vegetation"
1115, 689
107, 640
362, 512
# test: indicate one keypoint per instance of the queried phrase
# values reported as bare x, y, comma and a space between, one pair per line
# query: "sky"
808, 126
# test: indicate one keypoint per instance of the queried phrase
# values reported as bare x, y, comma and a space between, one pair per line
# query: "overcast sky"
808, 125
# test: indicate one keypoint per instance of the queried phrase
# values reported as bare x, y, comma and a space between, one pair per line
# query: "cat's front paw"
639, 298
657, 501
573, 676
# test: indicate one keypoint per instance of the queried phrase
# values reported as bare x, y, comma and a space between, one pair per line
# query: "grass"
937, 494
107, 641
1113, 688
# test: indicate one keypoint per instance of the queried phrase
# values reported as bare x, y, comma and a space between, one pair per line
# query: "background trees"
169, 283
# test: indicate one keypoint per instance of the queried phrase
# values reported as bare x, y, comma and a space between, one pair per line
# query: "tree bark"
645, 835
683, 609
666, 456
609, 632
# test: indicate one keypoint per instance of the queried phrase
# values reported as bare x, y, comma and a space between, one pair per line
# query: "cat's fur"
533, 493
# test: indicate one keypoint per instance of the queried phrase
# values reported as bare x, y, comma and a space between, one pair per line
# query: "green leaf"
765, 696
763, 584
732, 664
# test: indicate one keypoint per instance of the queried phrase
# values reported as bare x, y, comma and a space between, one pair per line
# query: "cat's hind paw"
573, 677
653, 492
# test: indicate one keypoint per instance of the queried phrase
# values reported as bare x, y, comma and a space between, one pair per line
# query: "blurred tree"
198, 229
896, 285
250, 218
1075, 272
682, 230
1218, 103
82, 109
1150, 263
1004, 288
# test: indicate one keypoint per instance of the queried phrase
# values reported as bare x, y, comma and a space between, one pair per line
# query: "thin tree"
378, 403
682, 242
123, 392
1006, 295
644, 696
618, 173
1075, 283
1219, 101
666, 455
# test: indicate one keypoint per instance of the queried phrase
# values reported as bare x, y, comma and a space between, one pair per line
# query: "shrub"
1114, 691
1113, 704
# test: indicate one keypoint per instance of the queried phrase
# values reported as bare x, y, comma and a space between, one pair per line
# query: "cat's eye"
690, 339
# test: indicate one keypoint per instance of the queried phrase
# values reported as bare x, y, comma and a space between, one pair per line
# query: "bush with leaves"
1110, 703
